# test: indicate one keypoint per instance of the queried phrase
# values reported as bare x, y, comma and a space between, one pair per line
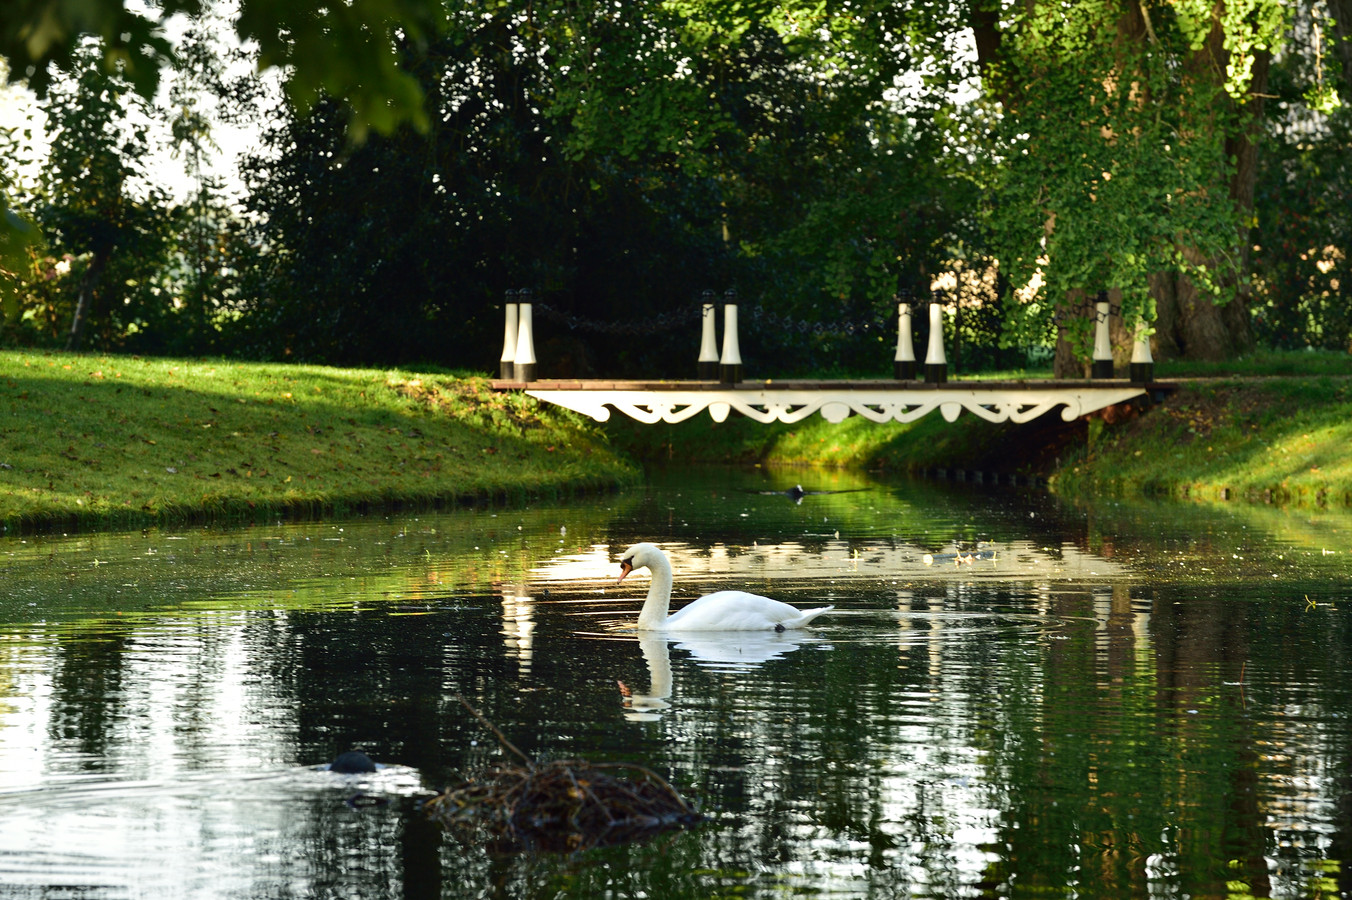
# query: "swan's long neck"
654, 613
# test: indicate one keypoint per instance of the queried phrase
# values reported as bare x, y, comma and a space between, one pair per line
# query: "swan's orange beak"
625, 568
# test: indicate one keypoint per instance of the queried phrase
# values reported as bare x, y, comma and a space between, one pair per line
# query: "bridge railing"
518, 362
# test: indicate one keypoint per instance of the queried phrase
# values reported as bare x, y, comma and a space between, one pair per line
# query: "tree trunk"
88, 285
1066, 362
1198, 328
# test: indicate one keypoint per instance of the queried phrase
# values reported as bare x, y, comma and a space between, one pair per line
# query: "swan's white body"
720, 611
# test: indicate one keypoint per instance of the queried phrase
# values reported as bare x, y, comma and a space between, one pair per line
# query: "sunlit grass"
122, 440
1305, 363
856, 442
1271, 440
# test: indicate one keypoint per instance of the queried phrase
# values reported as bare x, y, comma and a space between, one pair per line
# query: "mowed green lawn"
119, 440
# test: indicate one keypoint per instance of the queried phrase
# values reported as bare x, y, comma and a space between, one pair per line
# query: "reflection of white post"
524, 367
936, 364
518, 626
730, 365
708, 345
1103, 348
905, 606
903, 365
1142, 363
508, 360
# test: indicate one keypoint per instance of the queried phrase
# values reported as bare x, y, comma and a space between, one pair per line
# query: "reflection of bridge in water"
791, 563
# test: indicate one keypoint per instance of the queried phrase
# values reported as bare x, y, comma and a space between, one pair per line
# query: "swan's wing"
739, 611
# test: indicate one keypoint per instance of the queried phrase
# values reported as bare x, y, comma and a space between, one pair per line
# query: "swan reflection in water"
720, 651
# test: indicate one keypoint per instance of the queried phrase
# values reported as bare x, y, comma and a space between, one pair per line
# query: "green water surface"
1121, 700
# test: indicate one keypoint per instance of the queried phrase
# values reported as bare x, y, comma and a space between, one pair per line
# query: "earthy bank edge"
113, 441
1284, 439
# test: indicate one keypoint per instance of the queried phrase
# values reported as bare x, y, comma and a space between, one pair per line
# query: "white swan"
720, 611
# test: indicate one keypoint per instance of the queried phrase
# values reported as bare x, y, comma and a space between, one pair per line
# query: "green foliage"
16, 232
616, 158
1113, 154
620, 158
347, 50
1099, 168
1247, 27
203, 242
109, 239
1302, 235
1303, 279
37, 36
140, 274
104, 242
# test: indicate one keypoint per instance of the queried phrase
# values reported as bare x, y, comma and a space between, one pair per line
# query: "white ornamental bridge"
721, 389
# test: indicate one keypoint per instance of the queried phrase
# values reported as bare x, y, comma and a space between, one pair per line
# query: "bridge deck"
791, 400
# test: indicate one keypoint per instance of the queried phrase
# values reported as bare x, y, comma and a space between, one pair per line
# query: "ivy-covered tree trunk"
1125, 160
1189, 322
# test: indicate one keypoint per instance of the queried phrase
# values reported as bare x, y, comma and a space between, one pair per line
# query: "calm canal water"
1124, 700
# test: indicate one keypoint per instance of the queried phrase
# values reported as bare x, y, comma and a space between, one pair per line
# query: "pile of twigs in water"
562, 805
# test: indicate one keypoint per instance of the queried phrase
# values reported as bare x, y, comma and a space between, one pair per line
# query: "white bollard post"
708, 345
524, 363
1142, 363
730, 364
903, 364
936, 364
506, 364
1103, 348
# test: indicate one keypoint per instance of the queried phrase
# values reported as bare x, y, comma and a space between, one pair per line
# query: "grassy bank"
122, 441
1283, 439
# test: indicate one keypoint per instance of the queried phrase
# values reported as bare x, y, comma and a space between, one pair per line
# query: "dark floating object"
563, 805
352, 762
797, 493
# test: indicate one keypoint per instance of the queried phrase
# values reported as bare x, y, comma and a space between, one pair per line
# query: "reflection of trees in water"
1096, 737
1150, 767
87, 698
943, 759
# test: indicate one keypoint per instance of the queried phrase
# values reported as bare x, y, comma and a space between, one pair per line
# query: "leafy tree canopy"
347, 50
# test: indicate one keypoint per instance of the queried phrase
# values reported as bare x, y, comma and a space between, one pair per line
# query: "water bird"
719, 611
798, 492
352, 762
